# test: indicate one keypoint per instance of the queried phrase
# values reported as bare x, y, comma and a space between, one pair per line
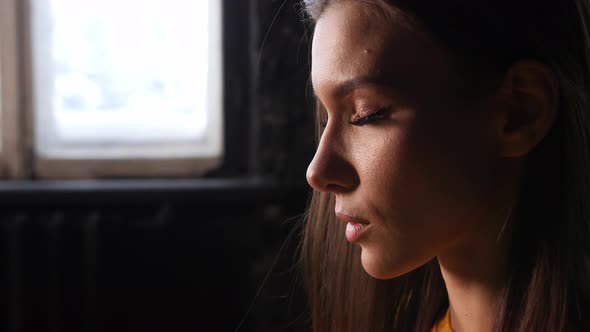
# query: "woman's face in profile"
403, 150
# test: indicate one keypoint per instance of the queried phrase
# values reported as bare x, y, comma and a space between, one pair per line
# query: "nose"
331, 170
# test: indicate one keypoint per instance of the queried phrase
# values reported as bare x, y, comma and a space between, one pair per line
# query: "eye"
374, 116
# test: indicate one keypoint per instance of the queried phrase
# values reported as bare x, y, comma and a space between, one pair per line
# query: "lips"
350, 218
355, 226
354, 231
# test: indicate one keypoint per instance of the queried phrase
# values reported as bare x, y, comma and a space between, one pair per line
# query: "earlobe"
530, 98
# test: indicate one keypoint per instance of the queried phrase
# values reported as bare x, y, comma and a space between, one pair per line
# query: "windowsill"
242, 190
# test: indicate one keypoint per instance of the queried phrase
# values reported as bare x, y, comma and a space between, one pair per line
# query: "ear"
529, 98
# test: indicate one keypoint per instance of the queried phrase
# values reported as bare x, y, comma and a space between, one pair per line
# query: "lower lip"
354, 231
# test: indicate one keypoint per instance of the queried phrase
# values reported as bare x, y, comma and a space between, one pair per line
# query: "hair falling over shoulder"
548, 268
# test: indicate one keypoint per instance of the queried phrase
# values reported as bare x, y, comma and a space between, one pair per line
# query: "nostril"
335, 188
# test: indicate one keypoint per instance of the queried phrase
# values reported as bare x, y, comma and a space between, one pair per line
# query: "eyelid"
372, 116
361, 120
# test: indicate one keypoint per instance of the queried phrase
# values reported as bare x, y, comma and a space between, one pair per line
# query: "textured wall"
281, 68
284, 131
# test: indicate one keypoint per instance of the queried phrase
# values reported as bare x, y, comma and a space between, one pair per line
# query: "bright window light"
132, 78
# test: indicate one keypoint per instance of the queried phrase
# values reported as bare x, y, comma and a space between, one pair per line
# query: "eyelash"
379, 114
374, 116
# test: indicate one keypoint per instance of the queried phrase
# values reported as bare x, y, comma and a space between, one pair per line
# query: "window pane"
111, 73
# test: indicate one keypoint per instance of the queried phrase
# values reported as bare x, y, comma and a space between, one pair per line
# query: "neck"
474, 267
475, 277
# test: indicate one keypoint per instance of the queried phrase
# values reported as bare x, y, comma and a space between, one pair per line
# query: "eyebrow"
346, 87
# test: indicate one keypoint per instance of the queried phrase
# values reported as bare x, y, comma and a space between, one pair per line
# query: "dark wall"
180, 254
268, 96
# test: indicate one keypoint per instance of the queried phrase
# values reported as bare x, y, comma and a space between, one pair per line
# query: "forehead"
344, 37
350, 42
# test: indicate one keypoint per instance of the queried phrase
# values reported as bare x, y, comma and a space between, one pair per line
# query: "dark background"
180, 254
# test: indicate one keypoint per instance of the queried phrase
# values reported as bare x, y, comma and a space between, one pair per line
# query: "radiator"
50, 271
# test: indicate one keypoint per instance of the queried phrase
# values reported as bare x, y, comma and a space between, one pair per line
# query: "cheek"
424, 181
448, 167
444, 181
382, 162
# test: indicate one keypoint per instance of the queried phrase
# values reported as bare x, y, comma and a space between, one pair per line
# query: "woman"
452, 172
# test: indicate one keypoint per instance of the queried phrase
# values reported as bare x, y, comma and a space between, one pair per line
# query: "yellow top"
443, 325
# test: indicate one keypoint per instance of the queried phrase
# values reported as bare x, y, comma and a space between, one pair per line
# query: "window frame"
12, 100
18, 158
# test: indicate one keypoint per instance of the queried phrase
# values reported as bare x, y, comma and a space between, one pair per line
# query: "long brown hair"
547, 288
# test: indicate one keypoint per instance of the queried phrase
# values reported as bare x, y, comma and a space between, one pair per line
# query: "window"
113, 88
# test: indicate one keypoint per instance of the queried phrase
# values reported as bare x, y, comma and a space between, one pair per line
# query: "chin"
383, 269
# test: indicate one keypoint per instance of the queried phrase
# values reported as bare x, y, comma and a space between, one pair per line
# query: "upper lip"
350, 218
